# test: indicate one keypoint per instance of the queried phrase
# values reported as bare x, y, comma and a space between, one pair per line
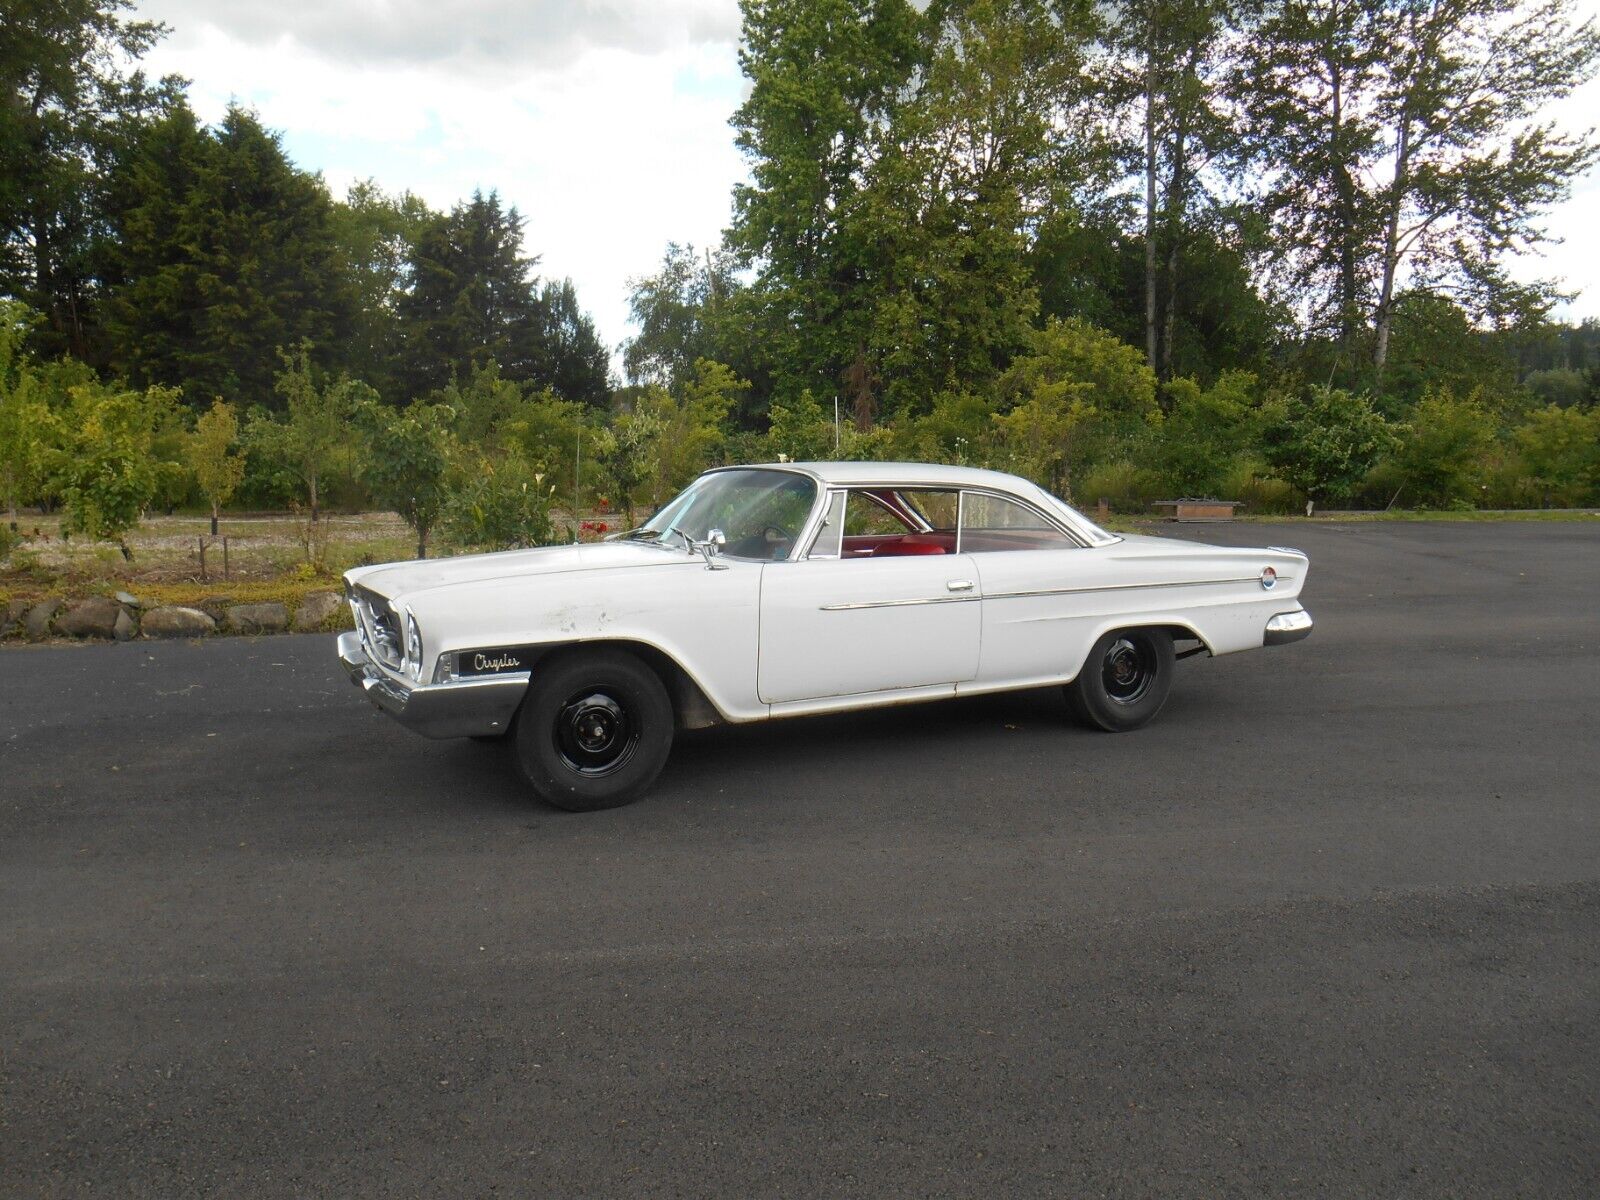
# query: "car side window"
866, 516
993, 523
898, 523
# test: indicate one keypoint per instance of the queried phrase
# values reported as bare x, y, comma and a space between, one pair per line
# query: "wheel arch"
1179, 630
691, 706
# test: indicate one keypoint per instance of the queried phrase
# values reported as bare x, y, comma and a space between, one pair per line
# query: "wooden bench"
1192, 508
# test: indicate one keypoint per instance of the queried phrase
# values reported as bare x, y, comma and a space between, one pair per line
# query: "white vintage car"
794, 588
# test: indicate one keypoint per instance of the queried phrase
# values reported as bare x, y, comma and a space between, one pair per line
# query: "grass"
269, 559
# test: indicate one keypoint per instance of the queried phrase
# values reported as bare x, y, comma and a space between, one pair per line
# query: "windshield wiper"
658, 536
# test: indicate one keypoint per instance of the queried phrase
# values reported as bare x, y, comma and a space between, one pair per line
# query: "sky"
604, 121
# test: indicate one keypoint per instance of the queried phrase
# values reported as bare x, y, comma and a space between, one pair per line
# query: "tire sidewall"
633, 685
1097, 707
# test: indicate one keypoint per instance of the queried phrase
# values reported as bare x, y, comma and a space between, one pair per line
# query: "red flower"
602, 527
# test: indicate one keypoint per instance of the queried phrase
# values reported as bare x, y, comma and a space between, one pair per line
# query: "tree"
102, 465
70, 96
1436, 347
1213, 319
676, 311
571, 361
316, 415
1405, 144
1172, 61
1443, 449
407, 460
1206, 431
1560, 449
472, 297
1079, 395
25, 419
226, 252
376, 234
217, 469
1322, 440
825, 76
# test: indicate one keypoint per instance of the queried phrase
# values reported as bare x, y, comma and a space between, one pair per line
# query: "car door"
1033, 620
840, 626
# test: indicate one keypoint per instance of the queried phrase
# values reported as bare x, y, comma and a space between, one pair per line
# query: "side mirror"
711, 548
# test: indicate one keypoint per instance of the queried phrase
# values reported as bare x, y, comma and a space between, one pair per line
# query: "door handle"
959, 585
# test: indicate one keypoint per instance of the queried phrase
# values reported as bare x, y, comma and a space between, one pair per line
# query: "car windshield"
759, 512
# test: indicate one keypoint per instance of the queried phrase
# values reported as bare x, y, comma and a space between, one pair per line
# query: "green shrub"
1125, 486
1260, 493
502, 506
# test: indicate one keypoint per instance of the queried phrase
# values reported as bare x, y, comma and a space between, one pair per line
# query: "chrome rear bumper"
1287, 627
464, 708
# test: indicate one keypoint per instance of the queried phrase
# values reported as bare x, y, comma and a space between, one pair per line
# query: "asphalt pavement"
1329, 927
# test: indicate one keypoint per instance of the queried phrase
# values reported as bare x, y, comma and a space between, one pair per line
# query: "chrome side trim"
902, 603
1118, 587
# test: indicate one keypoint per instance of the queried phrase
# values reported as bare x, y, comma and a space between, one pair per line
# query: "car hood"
404, 578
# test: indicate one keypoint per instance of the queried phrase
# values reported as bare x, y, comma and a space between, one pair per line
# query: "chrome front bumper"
464, 708
1288, 627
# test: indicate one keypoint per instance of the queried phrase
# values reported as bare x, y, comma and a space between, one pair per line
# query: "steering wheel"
775, 536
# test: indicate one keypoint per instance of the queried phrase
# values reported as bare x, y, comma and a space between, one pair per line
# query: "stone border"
120, 617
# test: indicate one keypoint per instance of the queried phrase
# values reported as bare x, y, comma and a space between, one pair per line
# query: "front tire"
1124, 681
593, 731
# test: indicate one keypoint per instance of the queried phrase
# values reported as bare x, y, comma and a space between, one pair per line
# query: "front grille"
380, 628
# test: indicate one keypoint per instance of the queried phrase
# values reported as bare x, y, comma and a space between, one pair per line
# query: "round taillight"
1269, 579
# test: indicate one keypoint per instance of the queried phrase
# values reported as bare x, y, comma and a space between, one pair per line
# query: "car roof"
906, 474
938, 475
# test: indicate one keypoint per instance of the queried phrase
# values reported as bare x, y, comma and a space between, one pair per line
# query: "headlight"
413, 646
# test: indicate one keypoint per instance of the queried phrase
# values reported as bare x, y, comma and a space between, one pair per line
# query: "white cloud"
479, 34
610, 152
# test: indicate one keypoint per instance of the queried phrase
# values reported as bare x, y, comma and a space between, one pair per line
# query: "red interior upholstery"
906, 547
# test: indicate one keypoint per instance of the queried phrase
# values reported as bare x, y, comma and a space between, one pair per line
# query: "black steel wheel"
595, 734
594, 729
1124, 681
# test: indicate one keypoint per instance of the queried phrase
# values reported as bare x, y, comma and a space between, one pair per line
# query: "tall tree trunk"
215, 513
314, 514
1344, 190
1150, 339
1177, 205
1384, 315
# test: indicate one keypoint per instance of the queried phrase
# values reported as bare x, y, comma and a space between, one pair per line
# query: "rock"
125, 626
94, 617
125, 599
257, 618
12, 620
37, 623
315, 610
176, 622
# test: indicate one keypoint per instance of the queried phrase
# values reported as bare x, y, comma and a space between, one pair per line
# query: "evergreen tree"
571, 361
68, 104
472, 298
227, 254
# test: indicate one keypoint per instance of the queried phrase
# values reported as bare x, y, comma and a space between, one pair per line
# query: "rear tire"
593, 731
1124, 681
